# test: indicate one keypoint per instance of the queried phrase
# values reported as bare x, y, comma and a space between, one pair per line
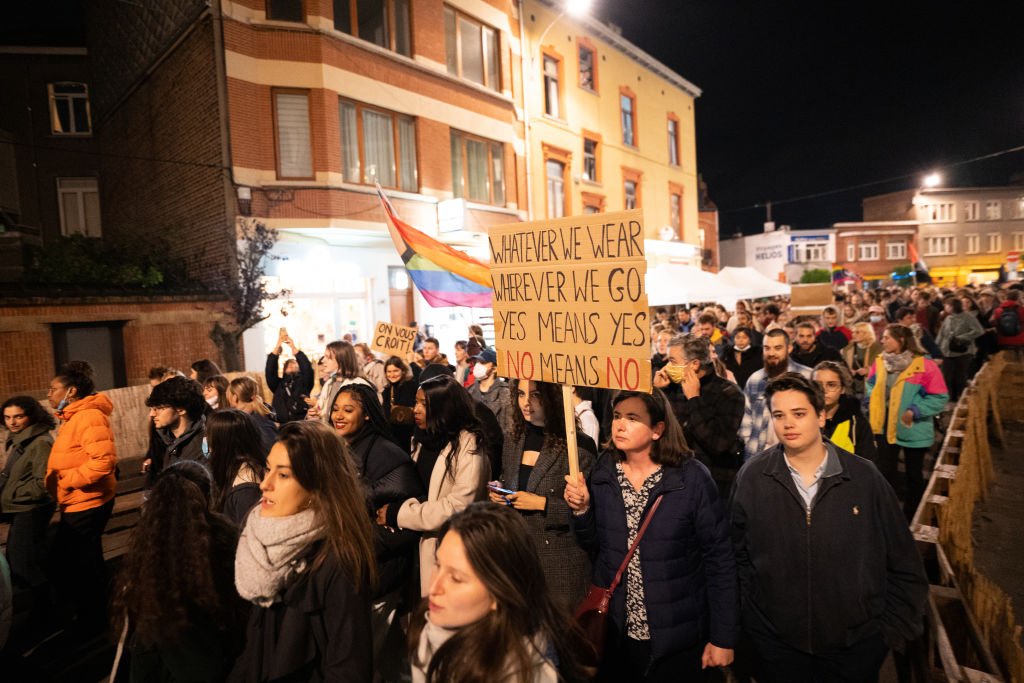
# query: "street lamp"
933, 179
574, 8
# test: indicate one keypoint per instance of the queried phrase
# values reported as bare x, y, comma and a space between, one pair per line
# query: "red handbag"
592, 614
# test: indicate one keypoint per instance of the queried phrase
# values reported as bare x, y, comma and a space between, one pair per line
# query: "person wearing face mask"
176, 409
291, 388
876, 316
489, 389
80, 477
845, 424
534, 465
708, 407
744, 358
215, 392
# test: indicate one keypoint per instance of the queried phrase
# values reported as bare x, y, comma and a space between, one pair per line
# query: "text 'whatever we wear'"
444, 276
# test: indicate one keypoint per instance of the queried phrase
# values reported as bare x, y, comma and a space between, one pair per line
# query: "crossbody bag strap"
636, 543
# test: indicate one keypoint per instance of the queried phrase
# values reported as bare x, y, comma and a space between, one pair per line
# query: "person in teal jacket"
905, 391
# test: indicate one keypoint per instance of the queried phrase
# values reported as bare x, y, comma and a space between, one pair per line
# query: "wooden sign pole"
570, 431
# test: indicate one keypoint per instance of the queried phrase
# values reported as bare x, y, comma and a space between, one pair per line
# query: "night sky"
809, 97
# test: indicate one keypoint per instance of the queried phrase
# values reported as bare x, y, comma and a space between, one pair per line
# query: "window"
285, 10
973, 243
971, 211
993, 210
806, 252
478, 169
895, 251
69, 109
552, 88
1018, 241
630, 188
851, 252
590, 165
382, 22
940, 245
1020, 208
938, 213
292, 134
588, 64
471, 49
673, 140
867, 251
99, 343
79, 202
592, 203
555, 173
995, 242
384, 152
627, 107
675, 208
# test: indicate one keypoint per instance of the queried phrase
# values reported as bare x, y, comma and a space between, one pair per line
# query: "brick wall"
163, 332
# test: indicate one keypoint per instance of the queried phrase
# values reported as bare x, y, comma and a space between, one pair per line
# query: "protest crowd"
413, 518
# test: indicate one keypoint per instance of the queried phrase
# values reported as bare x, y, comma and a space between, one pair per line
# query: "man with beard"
809, 349
294, 384
683, 320
756, 430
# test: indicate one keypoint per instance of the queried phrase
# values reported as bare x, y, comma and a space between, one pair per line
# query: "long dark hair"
450, 412
205, 369
180, 559
366, 396
504, 557
344, 355
670, 449
234, 441
550, 396
322, 465
33, 409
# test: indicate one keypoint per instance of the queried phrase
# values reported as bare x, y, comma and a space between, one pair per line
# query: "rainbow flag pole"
444, 276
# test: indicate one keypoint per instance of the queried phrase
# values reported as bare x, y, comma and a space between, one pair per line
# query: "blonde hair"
247, 394
867, 329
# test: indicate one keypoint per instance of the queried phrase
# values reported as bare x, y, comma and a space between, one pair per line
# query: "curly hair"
79, 375
180, 562
179, 393
33, 409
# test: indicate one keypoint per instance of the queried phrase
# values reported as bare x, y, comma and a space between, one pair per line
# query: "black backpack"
1008, 324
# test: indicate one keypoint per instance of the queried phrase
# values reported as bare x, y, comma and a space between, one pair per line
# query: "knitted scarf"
268, 554
895, 363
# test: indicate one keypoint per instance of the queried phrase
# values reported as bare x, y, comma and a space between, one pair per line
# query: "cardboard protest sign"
394, 340
810, 299
570, 304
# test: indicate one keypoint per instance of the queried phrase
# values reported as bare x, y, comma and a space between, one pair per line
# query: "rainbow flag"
444, 276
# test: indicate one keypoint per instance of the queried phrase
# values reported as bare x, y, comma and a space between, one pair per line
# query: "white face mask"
875, 318
212, 401
480, 371
742, 348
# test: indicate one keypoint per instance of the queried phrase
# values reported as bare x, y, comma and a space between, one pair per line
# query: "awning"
751, 283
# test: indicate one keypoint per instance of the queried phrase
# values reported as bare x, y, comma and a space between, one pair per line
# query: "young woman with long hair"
860, 354
215, 391
236, 461
450, 455
202, 370
80, 477
306, 562
535, 461
176, 587
905, 391
244, 394
399, 399
490, 614
24, 501
341, 365
676, 610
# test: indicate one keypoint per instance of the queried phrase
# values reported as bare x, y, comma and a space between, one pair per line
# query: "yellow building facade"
609, 128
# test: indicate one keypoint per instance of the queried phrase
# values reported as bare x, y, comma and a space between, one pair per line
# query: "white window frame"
626, 195
972, 243
972, 211
69, 99
940, 245
868, 251
993, 210
940, 212
673, 142
896, 250
1020, 207
550, 70
490, 58
994, 242
851, 251
294, 136
1018, 241
79, 188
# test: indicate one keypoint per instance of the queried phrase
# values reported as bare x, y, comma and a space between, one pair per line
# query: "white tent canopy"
671, 283
752, 283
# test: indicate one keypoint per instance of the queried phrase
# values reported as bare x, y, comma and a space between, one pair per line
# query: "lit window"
471, 49
551, 87
588, 65
590, 160
380, 154
630, 194
69, 109
993, 210
79, 202
478, 169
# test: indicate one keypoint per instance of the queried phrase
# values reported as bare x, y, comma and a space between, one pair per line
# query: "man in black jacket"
177, 411
830, 578
809, 350
709, 408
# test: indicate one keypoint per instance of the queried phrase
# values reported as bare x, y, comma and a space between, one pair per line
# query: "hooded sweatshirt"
850, 430
80, 473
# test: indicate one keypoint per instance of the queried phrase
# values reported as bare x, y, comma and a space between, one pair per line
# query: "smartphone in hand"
495, 486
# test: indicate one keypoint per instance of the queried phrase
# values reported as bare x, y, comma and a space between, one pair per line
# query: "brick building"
874, 249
